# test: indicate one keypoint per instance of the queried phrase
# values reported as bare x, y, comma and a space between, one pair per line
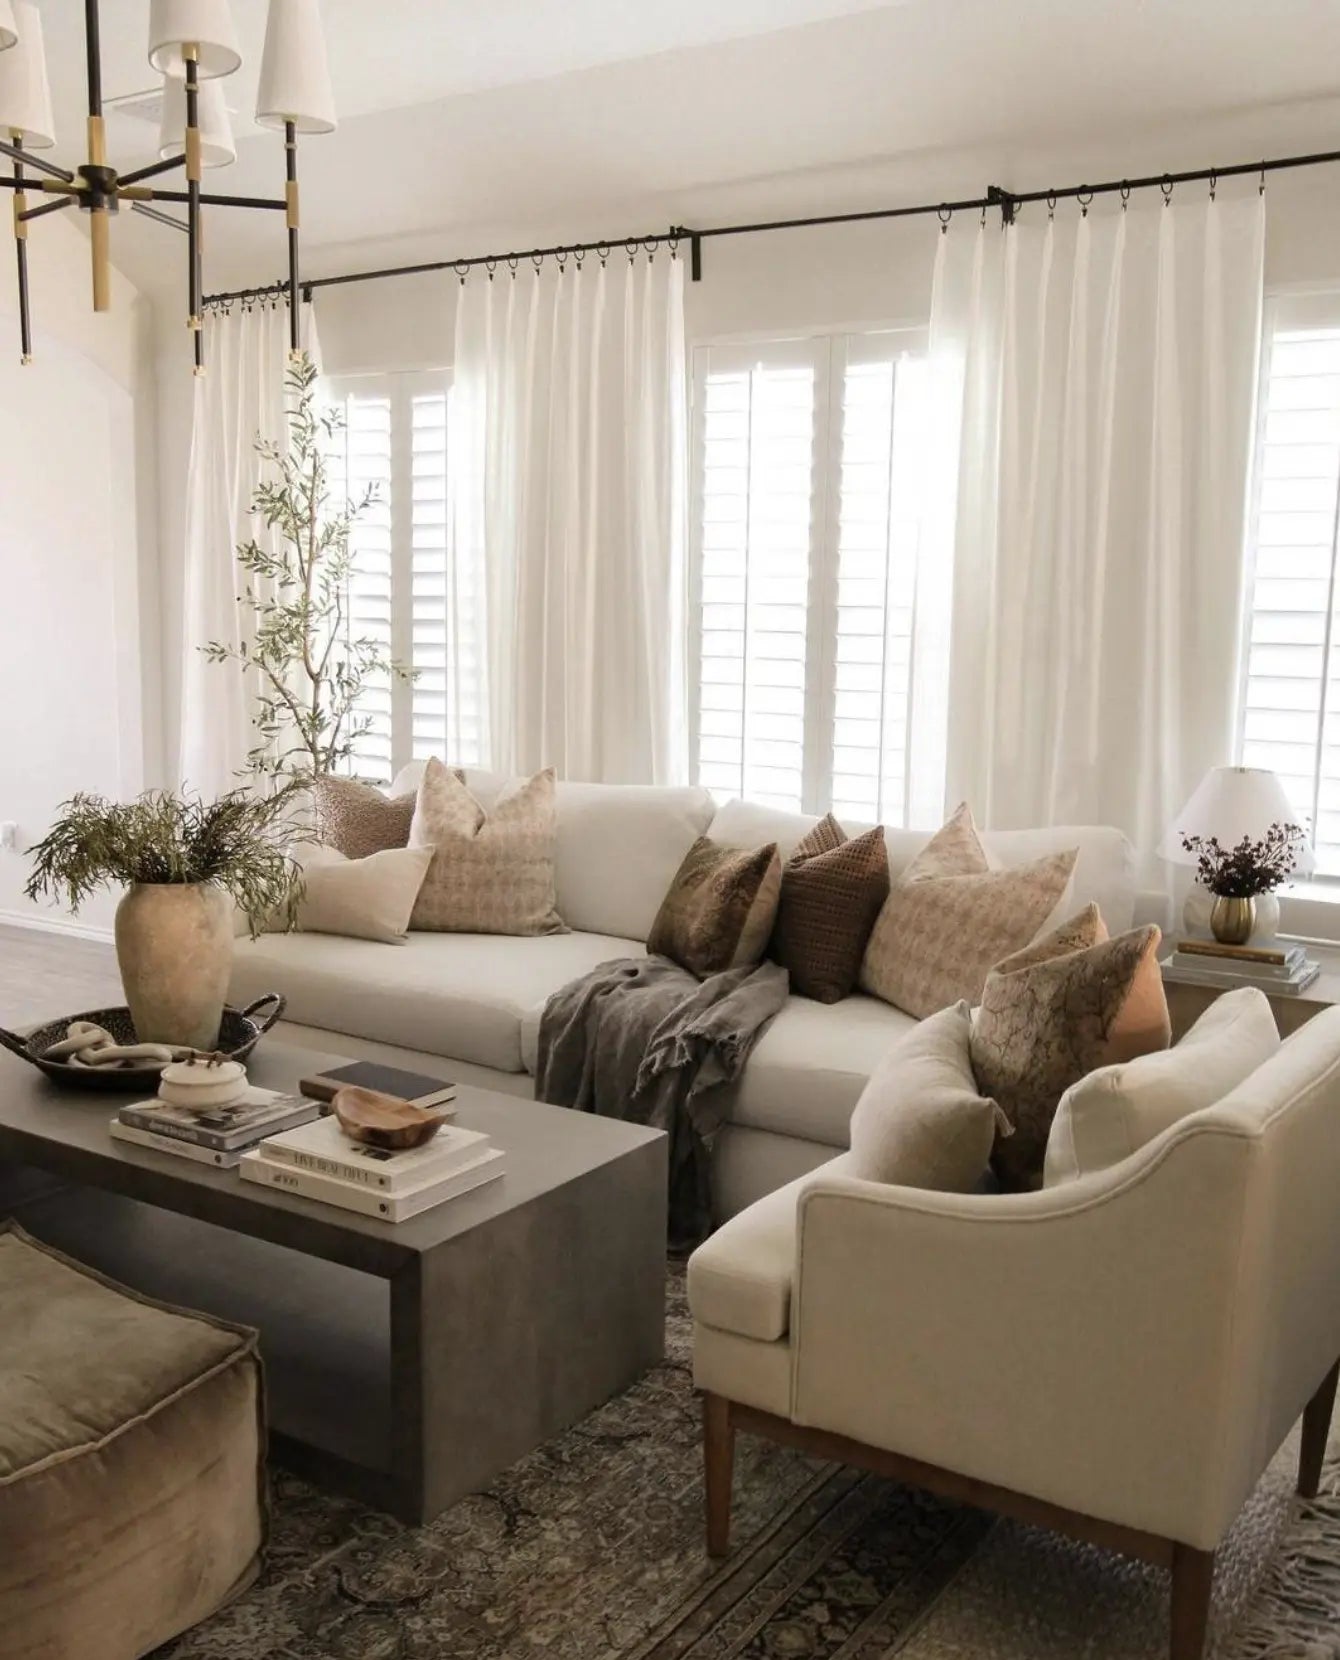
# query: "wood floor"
45, 975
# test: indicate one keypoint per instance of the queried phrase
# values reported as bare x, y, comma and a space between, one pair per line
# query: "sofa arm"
1074, 1344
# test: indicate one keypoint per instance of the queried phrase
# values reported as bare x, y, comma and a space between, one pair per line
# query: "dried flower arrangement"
1256, 865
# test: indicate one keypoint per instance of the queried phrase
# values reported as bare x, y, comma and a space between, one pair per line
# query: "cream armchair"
1118, 1358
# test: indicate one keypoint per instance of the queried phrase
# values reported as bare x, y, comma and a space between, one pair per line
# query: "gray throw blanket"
641, 1038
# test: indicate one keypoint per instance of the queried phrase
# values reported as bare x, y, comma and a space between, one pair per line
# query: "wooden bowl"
383, 1120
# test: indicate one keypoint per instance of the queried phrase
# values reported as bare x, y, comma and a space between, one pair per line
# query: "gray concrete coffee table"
407, 1363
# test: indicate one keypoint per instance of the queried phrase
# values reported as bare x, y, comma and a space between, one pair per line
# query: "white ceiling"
459, 113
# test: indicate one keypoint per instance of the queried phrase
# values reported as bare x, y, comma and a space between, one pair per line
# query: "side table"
1186, 1003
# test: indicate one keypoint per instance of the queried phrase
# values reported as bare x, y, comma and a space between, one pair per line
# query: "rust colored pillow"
832, 891
1054, 1012
720, 908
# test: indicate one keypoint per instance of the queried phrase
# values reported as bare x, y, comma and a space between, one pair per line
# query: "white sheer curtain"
1105, 367
568, 462
239, 397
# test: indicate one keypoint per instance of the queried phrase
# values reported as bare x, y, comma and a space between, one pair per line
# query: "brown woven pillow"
359, 819
832, 891
1073, 1001
720, 908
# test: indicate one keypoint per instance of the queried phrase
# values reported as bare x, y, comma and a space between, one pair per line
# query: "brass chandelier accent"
191, 44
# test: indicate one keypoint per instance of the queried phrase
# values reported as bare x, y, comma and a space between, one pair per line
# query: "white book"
173, 1144
256, 1166
324, 1149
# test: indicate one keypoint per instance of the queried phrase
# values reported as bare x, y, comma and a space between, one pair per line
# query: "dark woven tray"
238, 1036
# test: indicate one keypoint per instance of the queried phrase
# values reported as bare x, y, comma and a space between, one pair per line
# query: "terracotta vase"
174, 946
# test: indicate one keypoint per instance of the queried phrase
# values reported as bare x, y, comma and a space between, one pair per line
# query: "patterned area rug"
591, 1549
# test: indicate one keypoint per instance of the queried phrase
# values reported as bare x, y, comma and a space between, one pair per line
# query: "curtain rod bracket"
681, 233
996, 197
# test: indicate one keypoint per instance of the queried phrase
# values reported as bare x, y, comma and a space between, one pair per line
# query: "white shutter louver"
362, 459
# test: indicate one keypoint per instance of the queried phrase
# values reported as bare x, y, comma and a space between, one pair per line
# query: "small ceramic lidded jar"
202, 1085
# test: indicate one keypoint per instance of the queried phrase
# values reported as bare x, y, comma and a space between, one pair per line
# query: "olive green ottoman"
132, 1485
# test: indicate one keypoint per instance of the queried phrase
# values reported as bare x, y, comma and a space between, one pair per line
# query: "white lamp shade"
205, 24
217, 148
8, 31
25, 97
1230, 803
295, 78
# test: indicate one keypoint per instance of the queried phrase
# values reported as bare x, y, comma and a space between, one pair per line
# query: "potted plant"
186, 864
1239, 876
308, 670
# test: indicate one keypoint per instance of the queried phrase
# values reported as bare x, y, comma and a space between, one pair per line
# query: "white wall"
79, 648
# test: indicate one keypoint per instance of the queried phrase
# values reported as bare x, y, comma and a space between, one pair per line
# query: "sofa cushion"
720, 908
458, 995
618, 848
369, 898
1113, 1111
806, 1072
739, 1280
832, 890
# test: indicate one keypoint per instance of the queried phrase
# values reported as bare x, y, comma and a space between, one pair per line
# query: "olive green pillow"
720, 908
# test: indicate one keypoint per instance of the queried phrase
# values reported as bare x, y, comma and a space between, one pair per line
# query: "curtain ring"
1051, 205
461, 269
1214, 182
578, 257
1084, 197
1125, 195
490, 265
537, 260
561, 260
603, 249
1166, 186
672, 242
630, 248
944, 214
1261, 188
512, 263
651, 245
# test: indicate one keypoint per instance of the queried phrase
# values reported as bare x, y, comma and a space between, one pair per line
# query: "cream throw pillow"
1053, 1012
491, 873
920, 1121
951, 917
366, 899
1110, 1113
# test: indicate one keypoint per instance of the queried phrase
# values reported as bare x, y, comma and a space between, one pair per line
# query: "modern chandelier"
192, 44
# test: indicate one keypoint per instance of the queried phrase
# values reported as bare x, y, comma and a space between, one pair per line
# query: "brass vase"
1232, 920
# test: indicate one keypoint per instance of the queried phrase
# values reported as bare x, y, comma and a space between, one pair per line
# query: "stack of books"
319, 1161
1283, 970
219, 1136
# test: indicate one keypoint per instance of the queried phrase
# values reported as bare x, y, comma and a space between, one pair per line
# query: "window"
1290, 703
403, 590
809, 473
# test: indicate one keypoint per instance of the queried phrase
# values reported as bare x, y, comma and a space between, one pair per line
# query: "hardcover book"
173, 1144
414, 1087
257, 1166
325, 1149
225, 1129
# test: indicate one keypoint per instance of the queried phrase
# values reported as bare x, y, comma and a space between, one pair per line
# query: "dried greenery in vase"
312, 673
1256, 865
236, 843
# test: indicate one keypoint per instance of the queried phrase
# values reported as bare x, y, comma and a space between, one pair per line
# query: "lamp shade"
1230, 803
295, 78
217, 148
25, 97
8, 32
205, 24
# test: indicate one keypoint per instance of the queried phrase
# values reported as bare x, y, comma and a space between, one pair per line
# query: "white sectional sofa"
468, 1006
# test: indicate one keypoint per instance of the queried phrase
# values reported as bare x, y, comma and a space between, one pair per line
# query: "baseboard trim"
56, 925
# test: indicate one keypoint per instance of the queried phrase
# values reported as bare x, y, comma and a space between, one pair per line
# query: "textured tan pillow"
1073, 1001
358, 819
950, 917
920, 1121
491, 873
366, 899
832, 891
720, 908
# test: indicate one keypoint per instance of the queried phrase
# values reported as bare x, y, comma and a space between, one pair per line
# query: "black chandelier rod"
1006, 201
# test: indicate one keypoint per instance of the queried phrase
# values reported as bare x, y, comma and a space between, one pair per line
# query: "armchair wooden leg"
1192, 1581
1316, 1432
718, 1470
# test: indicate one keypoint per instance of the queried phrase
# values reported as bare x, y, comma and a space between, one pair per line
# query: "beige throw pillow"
1051, 1013
366, 899
950, 917
720, 908
491, 873
1112, 1112
920, 1121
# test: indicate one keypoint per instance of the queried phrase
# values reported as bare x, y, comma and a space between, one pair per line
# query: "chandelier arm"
160, 218
277, 204
99, 223
195, 285
47, 207
20, 201
291, 198
150, 172
48, 167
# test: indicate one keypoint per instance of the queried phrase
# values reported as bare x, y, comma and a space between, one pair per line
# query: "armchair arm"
1074, 1344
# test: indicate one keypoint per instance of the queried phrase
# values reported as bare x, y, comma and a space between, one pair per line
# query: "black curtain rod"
1006, 200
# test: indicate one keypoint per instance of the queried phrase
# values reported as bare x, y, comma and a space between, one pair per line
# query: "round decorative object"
1267, 918
174, 947
383, 1120
1232, 920
1196, 911
199, 1084
239, 1033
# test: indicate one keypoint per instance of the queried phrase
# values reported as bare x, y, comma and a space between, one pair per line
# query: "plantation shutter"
1290, 713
